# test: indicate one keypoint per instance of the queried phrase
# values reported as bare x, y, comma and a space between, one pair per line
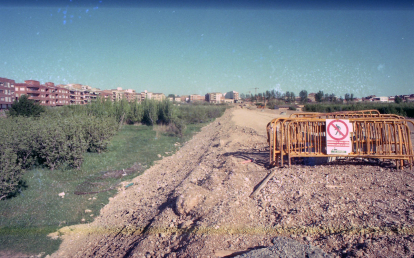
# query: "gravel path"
196, 203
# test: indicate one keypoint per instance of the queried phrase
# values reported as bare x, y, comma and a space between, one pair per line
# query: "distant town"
49, 94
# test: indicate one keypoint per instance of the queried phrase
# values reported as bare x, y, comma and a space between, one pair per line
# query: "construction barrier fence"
371, 135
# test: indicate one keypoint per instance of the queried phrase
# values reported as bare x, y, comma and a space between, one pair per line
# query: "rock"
88, 211
190, 198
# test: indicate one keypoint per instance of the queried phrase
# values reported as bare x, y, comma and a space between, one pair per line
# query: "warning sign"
338, 139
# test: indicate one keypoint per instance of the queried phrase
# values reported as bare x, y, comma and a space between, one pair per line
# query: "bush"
176, 128
99, 132
192, 114
25, 107
50, 140
10, 172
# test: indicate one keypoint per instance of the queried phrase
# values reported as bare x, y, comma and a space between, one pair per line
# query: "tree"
268, 95
397, 99
303, 94
332, 97
292, 97
150, 111
260, 96
326, 98
171, 96
25, 107
287, 96
319, 96
347, 97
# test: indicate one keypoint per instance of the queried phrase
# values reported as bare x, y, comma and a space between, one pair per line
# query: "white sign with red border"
338, 140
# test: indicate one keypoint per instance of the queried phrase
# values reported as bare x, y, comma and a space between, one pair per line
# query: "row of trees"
269, 96
152, 112
402, 109
290, 97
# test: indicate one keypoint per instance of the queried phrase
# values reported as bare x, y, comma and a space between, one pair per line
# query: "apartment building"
380, 99
185, 98
46, 95
195, 98
149, 95
146, 95
214, 97
158, 96
130, 95
7, 93
234, 95
105, 94
61, 96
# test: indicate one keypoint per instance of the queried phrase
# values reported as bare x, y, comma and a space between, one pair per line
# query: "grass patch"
27, 219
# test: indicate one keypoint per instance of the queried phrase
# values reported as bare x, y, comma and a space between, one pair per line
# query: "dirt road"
196, 203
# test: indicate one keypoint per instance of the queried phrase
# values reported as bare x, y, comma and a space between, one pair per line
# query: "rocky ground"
196, 203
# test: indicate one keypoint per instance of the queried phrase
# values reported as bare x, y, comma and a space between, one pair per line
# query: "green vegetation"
36, 211
49, 141
25, 107
60, 136
402, 109
84, 150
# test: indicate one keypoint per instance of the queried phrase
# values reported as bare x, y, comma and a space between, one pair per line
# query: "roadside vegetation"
35, 136
402, 109
328, 102
82, 151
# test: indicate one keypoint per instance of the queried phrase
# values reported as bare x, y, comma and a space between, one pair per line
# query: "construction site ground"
196, 202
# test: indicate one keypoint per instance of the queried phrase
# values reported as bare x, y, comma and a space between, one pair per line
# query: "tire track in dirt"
196, 203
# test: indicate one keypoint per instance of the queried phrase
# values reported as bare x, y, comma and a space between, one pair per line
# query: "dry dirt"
196, 203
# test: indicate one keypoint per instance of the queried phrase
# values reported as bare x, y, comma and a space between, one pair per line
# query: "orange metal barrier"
376, 136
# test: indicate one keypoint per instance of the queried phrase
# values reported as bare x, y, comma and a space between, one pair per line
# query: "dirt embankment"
196, 203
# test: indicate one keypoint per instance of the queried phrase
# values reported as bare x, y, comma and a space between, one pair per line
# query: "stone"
189, 199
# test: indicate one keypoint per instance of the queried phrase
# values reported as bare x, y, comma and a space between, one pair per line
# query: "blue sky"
185, 49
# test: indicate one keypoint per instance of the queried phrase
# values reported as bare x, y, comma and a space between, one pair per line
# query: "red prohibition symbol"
338, 130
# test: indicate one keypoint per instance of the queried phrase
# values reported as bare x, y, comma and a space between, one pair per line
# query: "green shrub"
51, 140
136, 113
99, 132
10, 172
402, 109
151, 108
25, 107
